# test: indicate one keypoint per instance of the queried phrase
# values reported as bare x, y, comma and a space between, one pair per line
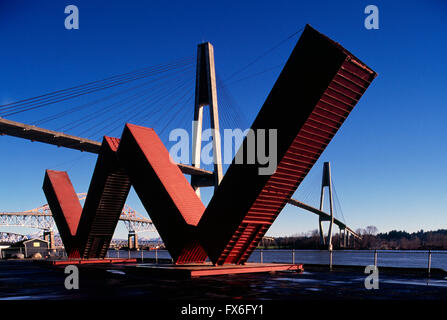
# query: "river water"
386, 258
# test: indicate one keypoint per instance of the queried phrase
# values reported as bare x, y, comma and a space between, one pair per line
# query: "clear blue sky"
388, 160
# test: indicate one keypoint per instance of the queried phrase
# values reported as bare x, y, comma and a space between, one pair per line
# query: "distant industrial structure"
42, 218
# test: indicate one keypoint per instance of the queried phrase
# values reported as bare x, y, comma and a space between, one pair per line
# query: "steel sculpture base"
207, 269
86, 261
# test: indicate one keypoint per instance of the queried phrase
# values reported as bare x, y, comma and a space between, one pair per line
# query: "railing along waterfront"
426, 259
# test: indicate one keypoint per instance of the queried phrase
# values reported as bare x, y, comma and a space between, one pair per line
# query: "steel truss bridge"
11, 237
41, 218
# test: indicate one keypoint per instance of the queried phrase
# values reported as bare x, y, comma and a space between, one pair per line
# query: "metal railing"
421, 259
151, 254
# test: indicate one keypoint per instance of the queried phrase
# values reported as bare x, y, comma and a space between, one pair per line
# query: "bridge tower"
48, 235
206, 95
326, 182
132, 240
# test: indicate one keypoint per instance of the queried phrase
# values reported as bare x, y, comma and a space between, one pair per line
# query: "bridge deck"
325, 216
60, 139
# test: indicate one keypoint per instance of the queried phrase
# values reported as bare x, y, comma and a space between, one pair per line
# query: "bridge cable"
161, 112
102, 99
264, 54
337, 202
255, 74
123, 103
63, 95
75, 88
151, 107
70, 96
94, 115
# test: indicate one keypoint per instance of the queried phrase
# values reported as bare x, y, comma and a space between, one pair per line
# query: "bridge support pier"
48, 235
341, 237
344, 238
132, 240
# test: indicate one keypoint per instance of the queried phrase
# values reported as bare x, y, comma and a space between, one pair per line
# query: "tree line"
371, 239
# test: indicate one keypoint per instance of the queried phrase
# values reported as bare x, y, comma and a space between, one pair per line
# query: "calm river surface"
386, 258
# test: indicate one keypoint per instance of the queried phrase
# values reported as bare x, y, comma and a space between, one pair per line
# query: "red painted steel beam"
166, 194
87, 232
105, 200
315, 92
65, 208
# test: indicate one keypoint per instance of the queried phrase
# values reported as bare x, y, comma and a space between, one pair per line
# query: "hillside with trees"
371, 239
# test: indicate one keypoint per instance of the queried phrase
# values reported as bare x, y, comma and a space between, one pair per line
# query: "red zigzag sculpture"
315, 92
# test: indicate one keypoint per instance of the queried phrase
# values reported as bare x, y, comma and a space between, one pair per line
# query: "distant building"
3, 246
31, 246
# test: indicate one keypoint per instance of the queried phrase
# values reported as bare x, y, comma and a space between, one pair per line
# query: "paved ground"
29, 281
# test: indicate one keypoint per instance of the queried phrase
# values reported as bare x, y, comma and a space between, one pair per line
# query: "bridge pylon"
206, 95
326, 182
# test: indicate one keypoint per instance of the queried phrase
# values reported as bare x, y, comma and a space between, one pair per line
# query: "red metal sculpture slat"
315, 92
105, 200
87, 232
167, 196
65, 207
